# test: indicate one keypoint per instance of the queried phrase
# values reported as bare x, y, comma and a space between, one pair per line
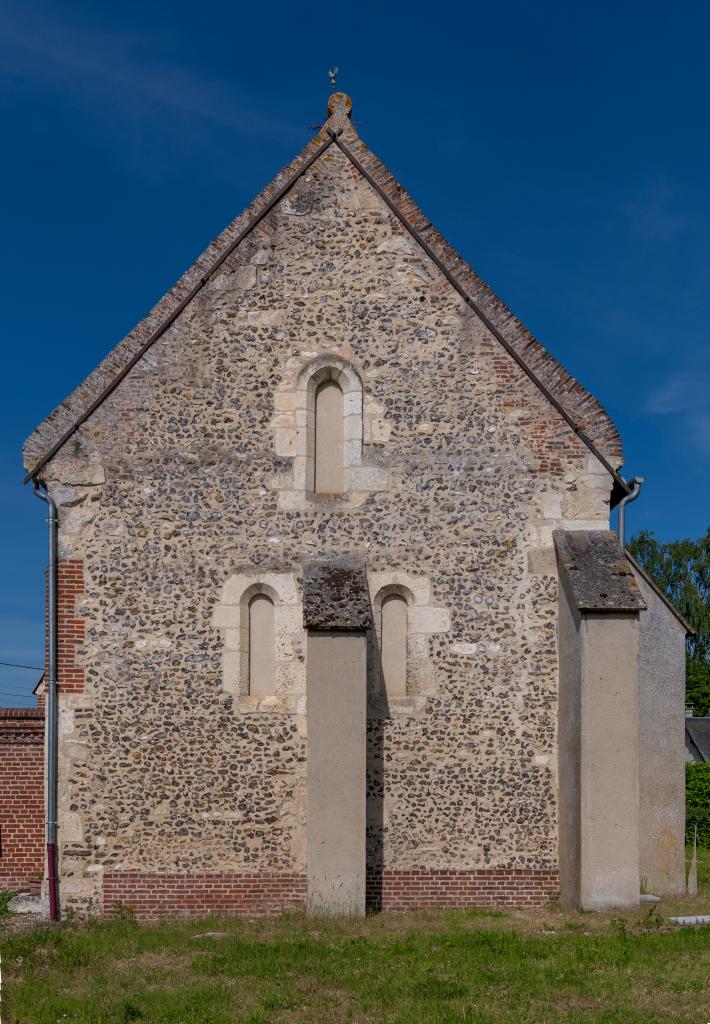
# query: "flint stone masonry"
186, 490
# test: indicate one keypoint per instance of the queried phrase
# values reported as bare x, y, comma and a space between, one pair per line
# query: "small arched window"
262, 680
393, 645
329, 439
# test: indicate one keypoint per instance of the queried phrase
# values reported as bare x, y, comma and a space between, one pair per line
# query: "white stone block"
594, 466
292, 501
288, 619
552, 506
352, 403
369, 478
223, 616
352, 428
467, 650
429, 620
282, 421
380, 432
284, 442
398, 244
418, 645
285, 401
232, 666
66, 721
585, 524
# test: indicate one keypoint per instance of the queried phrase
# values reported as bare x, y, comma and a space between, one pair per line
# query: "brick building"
21, 798
314, 512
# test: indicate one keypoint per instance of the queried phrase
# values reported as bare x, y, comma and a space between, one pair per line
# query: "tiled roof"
698, 730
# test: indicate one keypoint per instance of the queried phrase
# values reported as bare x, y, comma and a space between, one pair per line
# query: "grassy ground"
430, 968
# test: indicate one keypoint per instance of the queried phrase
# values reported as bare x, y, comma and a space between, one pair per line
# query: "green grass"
474, 966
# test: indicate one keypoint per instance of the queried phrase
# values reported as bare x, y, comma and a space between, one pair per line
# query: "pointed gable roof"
583, 413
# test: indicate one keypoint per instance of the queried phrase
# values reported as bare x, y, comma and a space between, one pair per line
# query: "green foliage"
5, 898
697, 685
681, 569
697, 802
122, 912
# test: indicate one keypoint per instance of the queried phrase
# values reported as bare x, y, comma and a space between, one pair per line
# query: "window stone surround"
231, 617
424, 619
293, 429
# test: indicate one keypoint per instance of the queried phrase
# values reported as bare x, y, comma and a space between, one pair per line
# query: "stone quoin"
313, 646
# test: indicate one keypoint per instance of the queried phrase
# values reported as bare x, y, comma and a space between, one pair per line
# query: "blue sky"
562, 148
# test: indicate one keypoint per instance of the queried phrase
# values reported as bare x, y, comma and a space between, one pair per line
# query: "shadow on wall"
377, 716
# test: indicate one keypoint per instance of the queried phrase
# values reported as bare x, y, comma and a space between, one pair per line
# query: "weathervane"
333, 75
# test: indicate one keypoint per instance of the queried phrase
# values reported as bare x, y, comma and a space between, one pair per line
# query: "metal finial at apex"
333, 76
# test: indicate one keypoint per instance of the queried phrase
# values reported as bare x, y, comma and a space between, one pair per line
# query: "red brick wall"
21, 797
154, 895
421, 889
70, 628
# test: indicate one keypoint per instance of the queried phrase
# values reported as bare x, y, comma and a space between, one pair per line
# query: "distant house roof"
697, 737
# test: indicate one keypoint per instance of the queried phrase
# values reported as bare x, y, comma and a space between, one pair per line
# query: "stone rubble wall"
175, 486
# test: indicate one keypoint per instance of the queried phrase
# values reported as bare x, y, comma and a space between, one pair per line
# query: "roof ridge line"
181, 305
488, 323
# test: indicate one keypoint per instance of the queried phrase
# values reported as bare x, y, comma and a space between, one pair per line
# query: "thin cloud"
124, 70
684, 395
651, 215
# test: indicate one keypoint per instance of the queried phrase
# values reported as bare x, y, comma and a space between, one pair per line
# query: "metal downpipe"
635, 484
41, 491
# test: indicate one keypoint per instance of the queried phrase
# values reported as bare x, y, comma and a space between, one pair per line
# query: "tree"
681, 569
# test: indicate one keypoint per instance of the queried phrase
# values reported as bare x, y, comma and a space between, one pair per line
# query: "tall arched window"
262, 680
393, 645
329, 439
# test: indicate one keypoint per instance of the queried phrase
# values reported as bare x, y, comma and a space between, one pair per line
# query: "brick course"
21, 797
156, 895
422, 889
152, 895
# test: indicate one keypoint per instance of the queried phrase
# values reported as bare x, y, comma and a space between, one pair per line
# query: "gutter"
633, 491
41, 491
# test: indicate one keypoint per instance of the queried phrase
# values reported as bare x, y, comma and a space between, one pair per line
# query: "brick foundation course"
157, 895
21, 798
422, 889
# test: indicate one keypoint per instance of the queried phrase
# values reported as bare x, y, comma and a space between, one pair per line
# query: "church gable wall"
188, 476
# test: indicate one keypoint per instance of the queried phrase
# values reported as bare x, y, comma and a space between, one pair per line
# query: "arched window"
262, 680
393, 644
329, 439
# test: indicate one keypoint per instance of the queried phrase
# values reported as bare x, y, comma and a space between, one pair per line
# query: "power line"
11, 664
